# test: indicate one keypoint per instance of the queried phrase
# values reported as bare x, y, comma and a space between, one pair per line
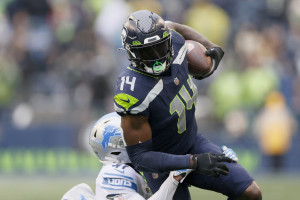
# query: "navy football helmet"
148, 42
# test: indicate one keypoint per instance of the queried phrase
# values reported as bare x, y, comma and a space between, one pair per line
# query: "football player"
156, 98
118, 180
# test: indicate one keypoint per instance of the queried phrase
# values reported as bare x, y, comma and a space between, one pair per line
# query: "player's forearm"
190, 34
144, 159
166, 190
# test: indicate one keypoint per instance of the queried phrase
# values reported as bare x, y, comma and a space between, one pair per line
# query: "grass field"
51, 188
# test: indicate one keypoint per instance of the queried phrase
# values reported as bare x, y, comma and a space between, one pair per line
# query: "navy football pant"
232, 185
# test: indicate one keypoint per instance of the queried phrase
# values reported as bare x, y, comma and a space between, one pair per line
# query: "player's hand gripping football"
211, 164
216, 53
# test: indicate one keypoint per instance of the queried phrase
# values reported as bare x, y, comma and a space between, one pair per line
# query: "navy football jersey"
168, 101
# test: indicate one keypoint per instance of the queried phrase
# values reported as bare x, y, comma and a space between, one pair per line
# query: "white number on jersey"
127, 81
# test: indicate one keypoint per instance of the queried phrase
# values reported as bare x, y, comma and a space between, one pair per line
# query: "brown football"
199, 64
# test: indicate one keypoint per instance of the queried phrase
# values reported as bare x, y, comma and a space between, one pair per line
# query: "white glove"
229, 153
182, 172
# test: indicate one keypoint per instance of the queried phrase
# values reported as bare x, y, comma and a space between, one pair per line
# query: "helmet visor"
153, 51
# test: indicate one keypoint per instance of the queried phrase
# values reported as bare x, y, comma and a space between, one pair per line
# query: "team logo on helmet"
108, 133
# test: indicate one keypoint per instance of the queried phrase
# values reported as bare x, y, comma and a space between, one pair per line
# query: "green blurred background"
59, 60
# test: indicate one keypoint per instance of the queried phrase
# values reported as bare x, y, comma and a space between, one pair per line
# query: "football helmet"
148, 42
106, 139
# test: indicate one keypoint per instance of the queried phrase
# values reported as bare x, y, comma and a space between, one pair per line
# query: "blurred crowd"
59, 60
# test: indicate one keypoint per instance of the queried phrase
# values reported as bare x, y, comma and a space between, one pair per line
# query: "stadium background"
59, 60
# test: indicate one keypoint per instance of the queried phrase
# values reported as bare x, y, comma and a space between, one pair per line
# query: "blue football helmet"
148, 42
106, 139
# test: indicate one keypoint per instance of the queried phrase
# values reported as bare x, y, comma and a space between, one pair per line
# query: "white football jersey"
79, 192
120, 180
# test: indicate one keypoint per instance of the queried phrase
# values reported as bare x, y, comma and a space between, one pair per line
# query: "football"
198, 63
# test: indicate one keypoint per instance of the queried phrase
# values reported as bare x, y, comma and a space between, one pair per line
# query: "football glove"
210, 164
182, 172
229, 153
216, 54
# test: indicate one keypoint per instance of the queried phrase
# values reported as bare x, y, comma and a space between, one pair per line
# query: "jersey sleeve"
80, 191
128, 196
134, 92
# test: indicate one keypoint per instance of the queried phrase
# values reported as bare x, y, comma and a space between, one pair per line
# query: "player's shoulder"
177, 38
117, 177
133, 87
180, 48
118, 170
133, 72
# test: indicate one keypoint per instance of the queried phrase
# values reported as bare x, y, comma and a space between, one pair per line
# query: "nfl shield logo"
154, 175
176, 81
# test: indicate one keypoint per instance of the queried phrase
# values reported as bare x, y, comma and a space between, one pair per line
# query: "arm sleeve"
166, 190
144, 159
79, 191
130, 196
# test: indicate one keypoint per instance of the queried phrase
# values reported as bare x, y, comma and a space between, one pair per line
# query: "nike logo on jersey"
127, 101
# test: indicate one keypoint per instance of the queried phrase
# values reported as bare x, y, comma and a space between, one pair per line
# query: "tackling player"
156, 98
117, 177
118, 180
